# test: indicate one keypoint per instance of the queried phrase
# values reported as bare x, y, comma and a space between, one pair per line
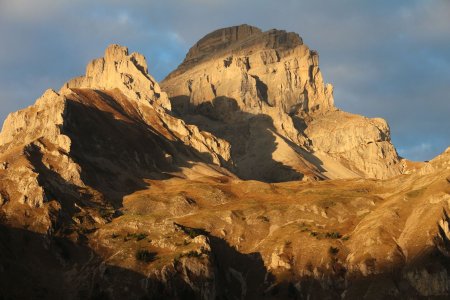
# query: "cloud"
27, 11
385, 58
430, 19
420, 152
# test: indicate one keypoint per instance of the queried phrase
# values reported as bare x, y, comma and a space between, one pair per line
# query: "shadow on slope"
53, 267
36, 266
115, 149
239, 275
251, 137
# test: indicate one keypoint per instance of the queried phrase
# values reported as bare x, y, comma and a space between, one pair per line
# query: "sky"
385, 58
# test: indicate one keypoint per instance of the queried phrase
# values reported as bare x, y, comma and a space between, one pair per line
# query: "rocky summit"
268, 86
236, 177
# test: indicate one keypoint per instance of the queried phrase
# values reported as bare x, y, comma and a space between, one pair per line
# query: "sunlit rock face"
268, 87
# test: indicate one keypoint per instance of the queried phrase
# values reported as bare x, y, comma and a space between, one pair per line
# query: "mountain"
268, 86
235, 178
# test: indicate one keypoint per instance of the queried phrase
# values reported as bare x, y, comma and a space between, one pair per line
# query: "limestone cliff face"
274, 74
256, 68
124, 71
360, 144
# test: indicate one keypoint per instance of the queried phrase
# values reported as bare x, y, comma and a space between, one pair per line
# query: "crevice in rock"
261, 89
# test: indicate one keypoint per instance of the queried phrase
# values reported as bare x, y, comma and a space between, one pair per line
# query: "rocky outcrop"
123, 71
239, 74
360, 144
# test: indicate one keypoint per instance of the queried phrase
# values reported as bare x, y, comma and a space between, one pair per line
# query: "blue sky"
387, 59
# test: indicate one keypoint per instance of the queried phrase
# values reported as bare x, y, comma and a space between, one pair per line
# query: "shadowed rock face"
273, 74
106, 194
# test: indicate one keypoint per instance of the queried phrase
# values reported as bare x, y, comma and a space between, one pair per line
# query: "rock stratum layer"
109, 189
268, 86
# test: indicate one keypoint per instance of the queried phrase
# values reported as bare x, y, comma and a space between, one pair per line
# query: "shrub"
333, 250
145, 255
333, 235
140, 236
137, 236
263, 219
106, 213
193, 254
192, 233
313, 233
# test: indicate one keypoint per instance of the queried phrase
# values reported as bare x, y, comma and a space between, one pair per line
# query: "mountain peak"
236, 39
221, 39
127, 72
116, 52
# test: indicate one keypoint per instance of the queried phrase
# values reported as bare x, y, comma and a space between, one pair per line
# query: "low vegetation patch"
333, 250
145, 256
192, 253
137, 236
323, 235
314, 233
415, 193
263, 219
106, 213
333, 235
191, 232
